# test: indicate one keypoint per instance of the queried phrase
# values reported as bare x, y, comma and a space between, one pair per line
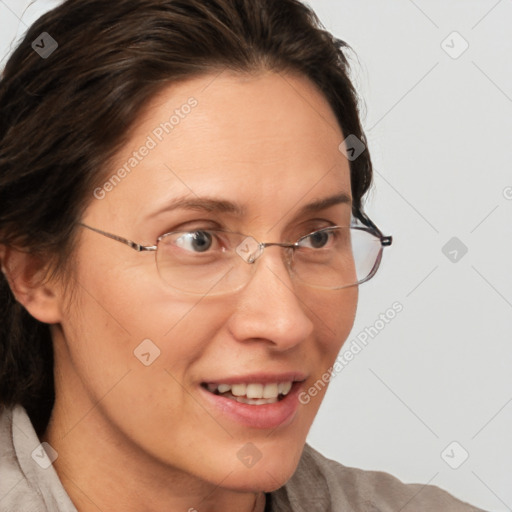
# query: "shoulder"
28, 481
321, 484
14, 487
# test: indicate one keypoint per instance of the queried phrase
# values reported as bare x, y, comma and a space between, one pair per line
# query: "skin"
125, 431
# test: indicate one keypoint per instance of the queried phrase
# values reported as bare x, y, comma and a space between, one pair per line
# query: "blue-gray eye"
196, 241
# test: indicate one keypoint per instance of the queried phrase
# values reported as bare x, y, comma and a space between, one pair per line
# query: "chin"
264, 478
274, 467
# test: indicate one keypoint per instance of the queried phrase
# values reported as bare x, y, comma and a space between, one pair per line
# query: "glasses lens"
200, 262
334, 258
212, 261
367, 251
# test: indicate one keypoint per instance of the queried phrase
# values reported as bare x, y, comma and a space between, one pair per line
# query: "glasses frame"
369, 227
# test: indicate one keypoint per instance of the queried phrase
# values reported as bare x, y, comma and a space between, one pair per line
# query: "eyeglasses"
216, 262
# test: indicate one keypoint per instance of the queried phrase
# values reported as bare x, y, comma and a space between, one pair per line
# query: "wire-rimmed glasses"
216, 261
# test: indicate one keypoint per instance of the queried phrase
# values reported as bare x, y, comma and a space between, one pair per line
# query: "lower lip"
265, 416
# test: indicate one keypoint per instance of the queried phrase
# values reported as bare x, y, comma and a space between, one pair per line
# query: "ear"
25, 274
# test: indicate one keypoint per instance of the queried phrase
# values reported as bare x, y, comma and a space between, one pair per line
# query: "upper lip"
261, 378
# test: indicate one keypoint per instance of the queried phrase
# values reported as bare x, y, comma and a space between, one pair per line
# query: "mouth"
252, 393
256, 401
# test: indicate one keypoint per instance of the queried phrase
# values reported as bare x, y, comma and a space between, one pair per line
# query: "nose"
268, 307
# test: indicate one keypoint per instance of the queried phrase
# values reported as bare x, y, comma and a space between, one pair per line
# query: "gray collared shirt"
29, 482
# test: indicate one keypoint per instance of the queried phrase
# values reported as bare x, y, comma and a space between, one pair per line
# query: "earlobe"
25, 274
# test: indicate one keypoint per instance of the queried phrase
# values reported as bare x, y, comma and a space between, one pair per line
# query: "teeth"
284, 387
253, 391
257, 401
270, 390
222, 387
238, 389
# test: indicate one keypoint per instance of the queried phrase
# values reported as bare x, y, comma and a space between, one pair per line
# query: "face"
135, 356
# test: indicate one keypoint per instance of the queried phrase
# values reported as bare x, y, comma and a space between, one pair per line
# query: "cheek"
333, 313
123, 320
114, 322
132, 357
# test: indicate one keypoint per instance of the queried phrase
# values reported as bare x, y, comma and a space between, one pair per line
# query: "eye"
317, 240
196, 241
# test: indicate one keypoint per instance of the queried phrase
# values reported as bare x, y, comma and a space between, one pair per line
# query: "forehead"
256, 139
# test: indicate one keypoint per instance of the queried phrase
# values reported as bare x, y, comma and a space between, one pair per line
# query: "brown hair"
63, 117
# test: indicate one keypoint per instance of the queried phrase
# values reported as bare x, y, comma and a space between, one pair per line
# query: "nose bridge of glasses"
250, 249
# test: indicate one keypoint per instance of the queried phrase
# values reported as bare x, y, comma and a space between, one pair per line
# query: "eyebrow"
214, 205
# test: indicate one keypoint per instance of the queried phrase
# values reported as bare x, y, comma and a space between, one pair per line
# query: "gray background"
439, 125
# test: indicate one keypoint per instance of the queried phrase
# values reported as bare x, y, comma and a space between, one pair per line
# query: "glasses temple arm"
134, 245
361, 216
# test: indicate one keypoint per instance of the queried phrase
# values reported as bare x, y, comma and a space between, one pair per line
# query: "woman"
183, 237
